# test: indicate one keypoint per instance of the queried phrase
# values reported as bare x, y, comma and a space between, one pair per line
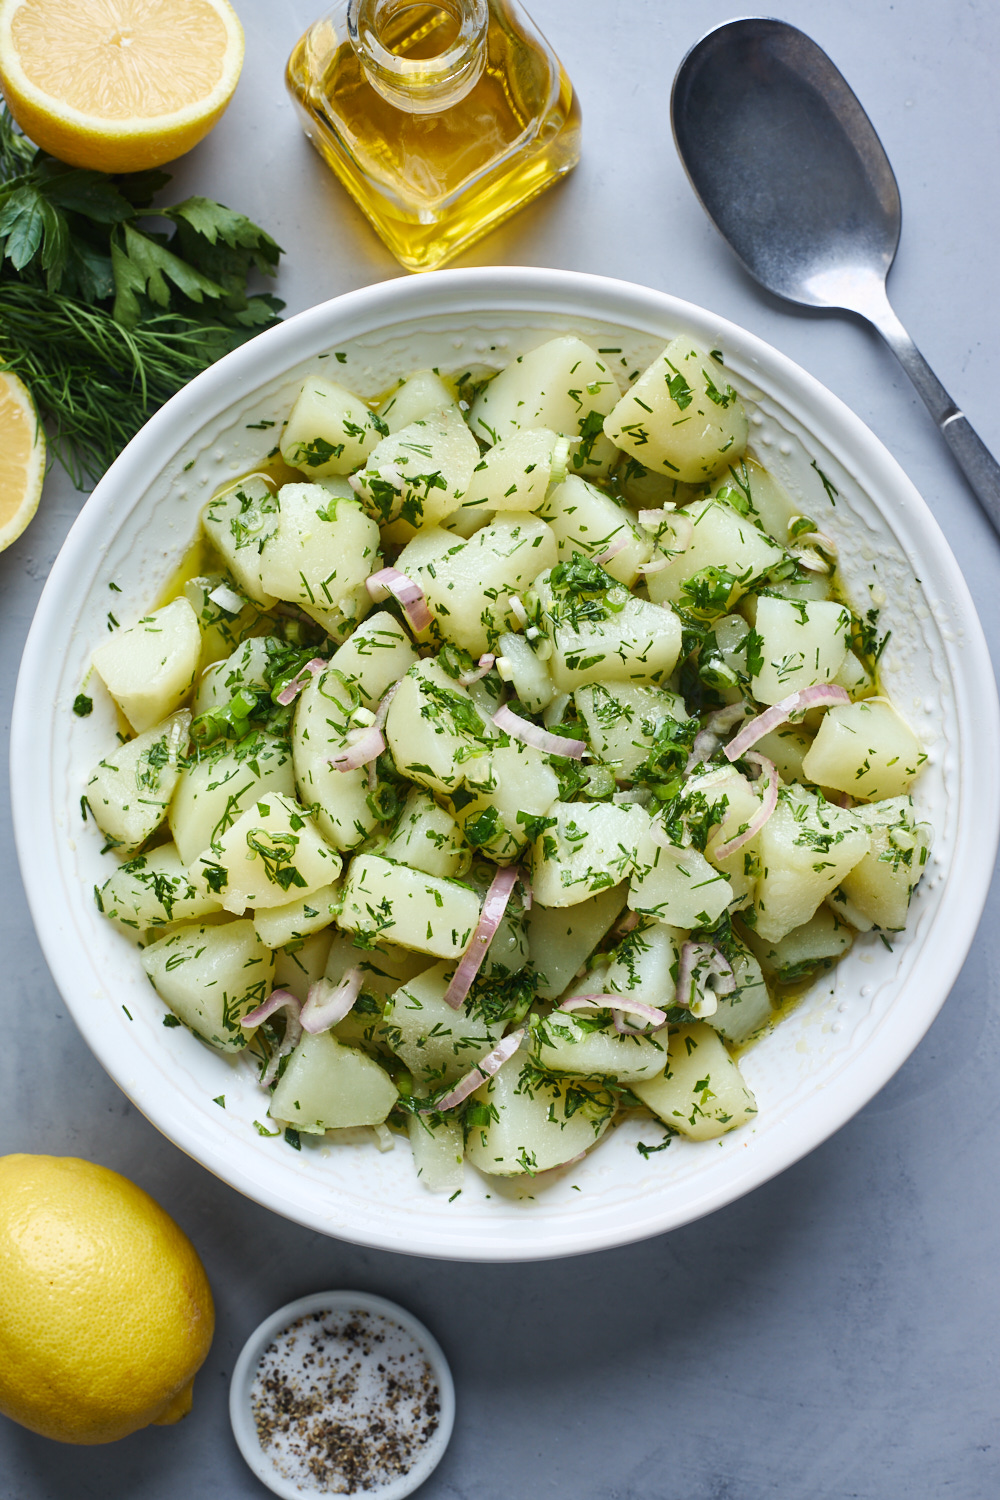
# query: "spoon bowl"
788, 167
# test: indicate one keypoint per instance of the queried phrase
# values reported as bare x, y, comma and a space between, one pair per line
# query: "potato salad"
513, 750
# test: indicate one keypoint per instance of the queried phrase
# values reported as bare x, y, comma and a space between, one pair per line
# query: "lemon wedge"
22, 457
118, 85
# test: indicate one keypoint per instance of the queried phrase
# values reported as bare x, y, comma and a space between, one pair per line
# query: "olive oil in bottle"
440, 117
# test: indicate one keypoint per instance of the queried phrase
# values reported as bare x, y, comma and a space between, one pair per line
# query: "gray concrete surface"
834, 1335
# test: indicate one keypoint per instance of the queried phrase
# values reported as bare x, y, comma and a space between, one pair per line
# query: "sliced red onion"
518, 610
486, 662
628, 923
769, 801
292, 689
293, 1029
227, 599
681, 525
530, 734
471, 961
367, 747
409, 594
702, 1000
382, 711
822, 695
650, 1014
612, 551
656, 566
485, 1068
327, 1003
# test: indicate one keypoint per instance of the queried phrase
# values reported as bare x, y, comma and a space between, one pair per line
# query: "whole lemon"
105, 1309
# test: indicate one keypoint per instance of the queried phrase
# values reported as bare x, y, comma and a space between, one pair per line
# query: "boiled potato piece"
427, 838
701, 1093
517, 664
587, 847
469, 584
128, 792
420, 473
599, 631
677, 886
330, 430
881, 884
749, 487
715, 554
414, 398
270, 851
521, 1122
502, 798
434, 730
584, 519
221, 629
221, 681
517, 472
742, 803
560, 940
681, 417
747, 1008
798, 644
221, 783
818, 943
807, 846
438, 1147
342, 802
211, 977
238, 520
150, 668
329, 1086
385, 900
623, 720
562, 385
281, 926
866, 749
438, 1043
298, 966
154, 889
787, 747
571, 1046
644, 963
378, 654
319, 555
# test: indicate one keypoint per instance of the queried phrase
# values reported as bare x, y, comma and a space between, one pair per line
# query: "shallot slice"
612, 551
484, 1069
471, 961
530, 734
702, 1000
619, 1006
409, 594
368, 746
486, 662
292, 689
681, 525
768, 802
293, 1029
821, 695
327, 1003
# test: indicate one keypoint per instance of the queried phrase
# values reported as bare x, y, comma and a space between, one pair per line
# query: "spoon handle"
970, 452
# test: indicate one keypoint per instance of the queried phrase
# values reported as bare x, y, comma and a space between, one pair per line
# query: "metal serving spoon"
789, 169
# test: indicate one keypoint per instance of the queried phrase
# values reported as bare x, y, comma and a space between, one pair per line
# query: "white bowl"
822, 1063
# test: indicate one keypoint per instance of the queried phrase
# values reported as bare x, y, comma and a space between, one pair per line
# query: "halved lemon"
22, 457
118, 85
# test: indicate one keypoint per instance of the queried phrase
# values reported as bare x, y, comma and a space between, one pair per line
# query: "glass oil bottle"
440, 117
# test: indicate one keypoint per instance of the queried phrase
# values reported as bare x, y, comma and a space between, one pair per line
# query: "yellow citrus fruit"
118, 85
105, 1310
22, 458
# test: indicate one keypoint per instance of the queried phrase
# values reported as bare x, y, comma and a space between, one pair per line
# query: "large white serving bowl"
820, 1065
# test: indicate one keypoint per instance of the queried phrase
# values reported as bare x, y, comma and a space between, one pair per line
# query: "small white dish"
416, 1341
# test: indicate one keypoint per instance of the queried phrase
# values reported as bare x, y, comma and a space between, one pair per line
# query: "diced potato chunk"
715, 554
438, 1043
560, 940
280, 926
584, 519
438, 1147
128, 791
221, 681
503, 796
414, 398
378, 654
562, 385
817, 944
272, 850
428, 838
211, 977
701, 1093
807, 846
150, 668
681, 417
799, 644
298, 966
405, 906
570, 1047
591, 845
519, 1124
881, 884
517, 664
221, 784
433, 728
515, 474
238, 520
323, 549
420, 473
745, 483
644, 963
623, 720
330, 430
747, 1008
677, 885
866, 749
328, 1086
154, 889
345, 809
602, 633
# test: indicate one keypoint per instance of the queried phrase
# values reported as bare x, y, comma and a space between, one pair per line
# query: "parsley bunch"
105, 317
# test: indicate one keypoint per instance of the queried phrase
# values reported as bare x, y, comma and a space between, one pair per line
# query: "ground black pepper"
344, 1402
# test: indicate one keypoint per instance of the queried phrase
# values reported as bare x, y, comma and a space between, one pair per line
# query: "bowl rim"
529, 292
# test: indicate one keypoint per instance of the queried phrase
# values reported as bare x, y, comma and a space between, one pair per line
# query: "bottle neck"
422, 56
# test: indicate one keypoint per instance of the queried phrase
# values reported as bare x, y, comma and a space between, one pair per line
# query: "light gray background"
834, 1334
